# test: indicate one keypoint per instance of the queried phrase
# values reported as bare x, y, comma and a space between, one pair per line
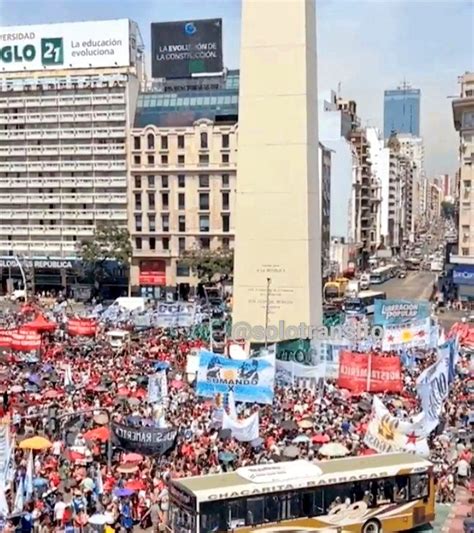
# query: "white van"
364, 282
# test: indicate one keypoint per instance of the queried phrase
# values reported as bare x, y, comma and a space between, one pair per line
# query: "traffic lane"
417, 285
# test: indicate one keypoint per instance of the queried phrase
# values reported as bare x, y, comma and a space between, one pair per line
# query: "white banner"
415, 334
158, 387
298, 375
243, 430
387, 433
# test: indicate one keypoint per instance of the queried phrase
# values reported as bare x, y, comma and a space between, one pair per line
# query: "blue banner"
397, 312
463, 275
251, 380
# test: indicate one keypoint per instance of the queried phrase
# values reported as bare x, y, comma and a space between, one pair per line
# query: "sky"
364, 47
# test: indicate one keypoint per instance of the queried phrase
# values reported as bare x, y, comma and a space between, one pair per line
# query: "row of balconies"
63, 183
60, 133
55, 166
44, 246
64, 214
62, 149
64, 100
65, 198
46, 230
49, 118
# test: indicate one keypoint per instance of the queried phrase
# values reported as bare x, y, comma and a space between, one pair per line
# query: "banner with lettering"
251, 380
298, 375
385, 372
25, 341
414, 335
298, 350
387, 433
245, 430
397, 312
157, 387
82, 326
179, 314
144, 440
5, 338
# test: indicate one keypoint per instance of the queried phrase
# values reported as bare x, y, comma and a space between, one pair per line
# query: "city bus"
363, 303
383, 274
366, 494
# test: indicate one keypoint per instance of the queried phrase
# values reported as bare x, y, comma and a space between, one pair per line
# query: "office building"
325, 176
65, 111
401, 113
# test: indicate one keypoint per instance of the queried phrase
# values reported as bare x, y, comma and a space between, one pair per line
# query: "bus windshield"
354, 305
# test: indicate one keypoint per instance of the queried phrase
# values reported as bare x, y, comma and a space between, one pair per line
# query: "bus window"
419, 486
272, 508
236, 512
255, 511
213, 517
401, 489
336, 495
290, 506
312, 503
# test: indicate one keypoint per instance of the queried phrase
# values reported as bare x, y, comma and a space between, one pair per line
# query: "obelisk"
277, 276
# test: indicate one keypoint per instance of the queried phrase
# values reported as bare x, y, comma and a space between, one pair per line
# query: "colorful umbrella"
127, 468
35, 443
101, 433
320, 439
136, 484
132, 458
333, 449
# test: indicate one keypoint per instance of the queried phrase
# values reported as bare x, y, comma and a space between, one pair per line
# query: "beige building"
181, 196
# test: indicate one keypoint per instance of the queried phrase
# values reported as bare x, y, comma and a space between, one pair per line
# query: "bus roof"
290, 475
369, 294
380, 270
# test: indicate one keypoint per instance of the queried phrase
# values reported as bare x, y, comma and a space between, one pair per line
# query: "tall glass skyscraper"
401, 112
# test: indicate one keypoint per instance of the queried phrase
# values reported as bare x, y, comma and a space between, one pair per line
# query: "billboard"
463, 275
180, 49
396, 311
103, 43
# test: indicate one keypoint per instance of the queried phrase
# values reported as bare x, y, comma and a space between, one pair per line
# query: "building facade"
401, 113
325, 174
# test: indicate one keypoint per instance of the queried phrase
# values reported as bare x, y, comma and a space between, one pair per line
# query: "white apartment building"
65, 109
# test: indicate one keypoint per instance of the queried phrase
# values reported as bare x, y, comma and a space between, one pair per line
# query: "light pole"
22, 272
267, 311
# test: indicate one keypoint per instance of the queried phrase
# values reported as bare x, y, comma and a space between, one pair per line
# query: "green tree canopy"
210, 265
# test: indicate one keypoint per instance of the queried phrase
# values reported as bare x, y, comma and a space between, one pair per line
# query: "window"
151, 182
151, 159
138, 182
165, 199
181, 200
255, 511
226, 243
465, 251
164, 159
181, 141
204, 180
136, 143
181, 180
225, 223
205, 243
181, 159
181, 244
204, 223
152, 223
152, 242
203, 139
225, 140
138, 223
182, 271
136, 159
419, 486
151, 200
138, 243
164, 142
182, 223
225, 201
204, 201
150, 140
225, 180
165, 222
203, 159
164, 182
138, 200
225, 158
165, 242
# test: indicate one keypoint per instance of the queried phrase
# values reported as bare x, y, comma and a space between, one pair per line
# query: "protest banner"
251, 380
25, 341
179, 314
387, 433
158, 387
5, 338
298, 375
362, 372
82, 326
144, 440
416, 334
244, 430
397, 312
298, 350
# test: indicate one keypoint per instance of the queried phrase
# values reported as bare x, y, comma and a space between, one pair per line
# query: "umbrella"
16, 388
34, 378
98, 519
136, 484
123, 493
140, 393
40, 482
123, 391
35, 443
320, 439
101, 419
333, 449
127, 468
226, 457
134, 401
291, 452
101, 433
289, 425
300, 439
305, 423
132, 458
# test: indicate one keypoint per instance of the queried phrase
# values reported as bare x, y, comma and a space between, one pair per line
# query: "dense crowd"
79, 482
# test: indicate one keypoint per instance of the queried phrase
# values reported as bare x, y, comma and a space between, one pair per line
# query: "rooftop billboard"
74, 45
181, 49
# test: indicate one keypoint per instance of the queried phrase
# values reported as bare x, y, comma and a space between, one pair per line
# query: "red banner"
385, 372
5, 338
25, 341
81, 326
152, 273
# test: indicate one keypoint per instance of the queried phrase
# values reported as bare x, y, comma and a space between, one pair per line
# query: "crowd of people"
81, 481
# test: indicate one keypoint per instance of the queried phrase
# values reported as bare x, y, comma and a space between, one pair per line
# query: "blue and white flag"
251, 380
29, 476
157, 387
20, 496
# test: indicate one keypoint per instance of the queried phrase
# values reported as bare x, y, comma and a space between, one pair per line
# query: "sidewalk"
454, 523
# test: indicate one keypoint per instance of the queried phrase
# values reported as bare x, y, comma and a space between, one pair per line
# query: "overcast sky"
365, 45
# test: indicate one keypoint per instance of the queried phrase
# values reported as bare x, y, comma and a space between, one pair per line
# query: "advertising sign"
251, 380
144, 440
395, 312
103, 43
152, 273
463, 275
385, 372
180, 49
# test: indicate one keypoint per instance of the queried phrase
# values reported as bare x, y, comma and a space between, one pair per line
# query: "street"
416, 286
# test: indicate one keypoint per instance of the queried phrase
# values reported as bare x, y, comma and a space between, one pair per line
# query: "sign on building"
463, 275
181, 49
74, 45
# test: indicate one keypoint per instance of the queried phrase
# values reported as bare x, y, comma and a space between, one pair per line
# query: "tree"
110, 243
210, 264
